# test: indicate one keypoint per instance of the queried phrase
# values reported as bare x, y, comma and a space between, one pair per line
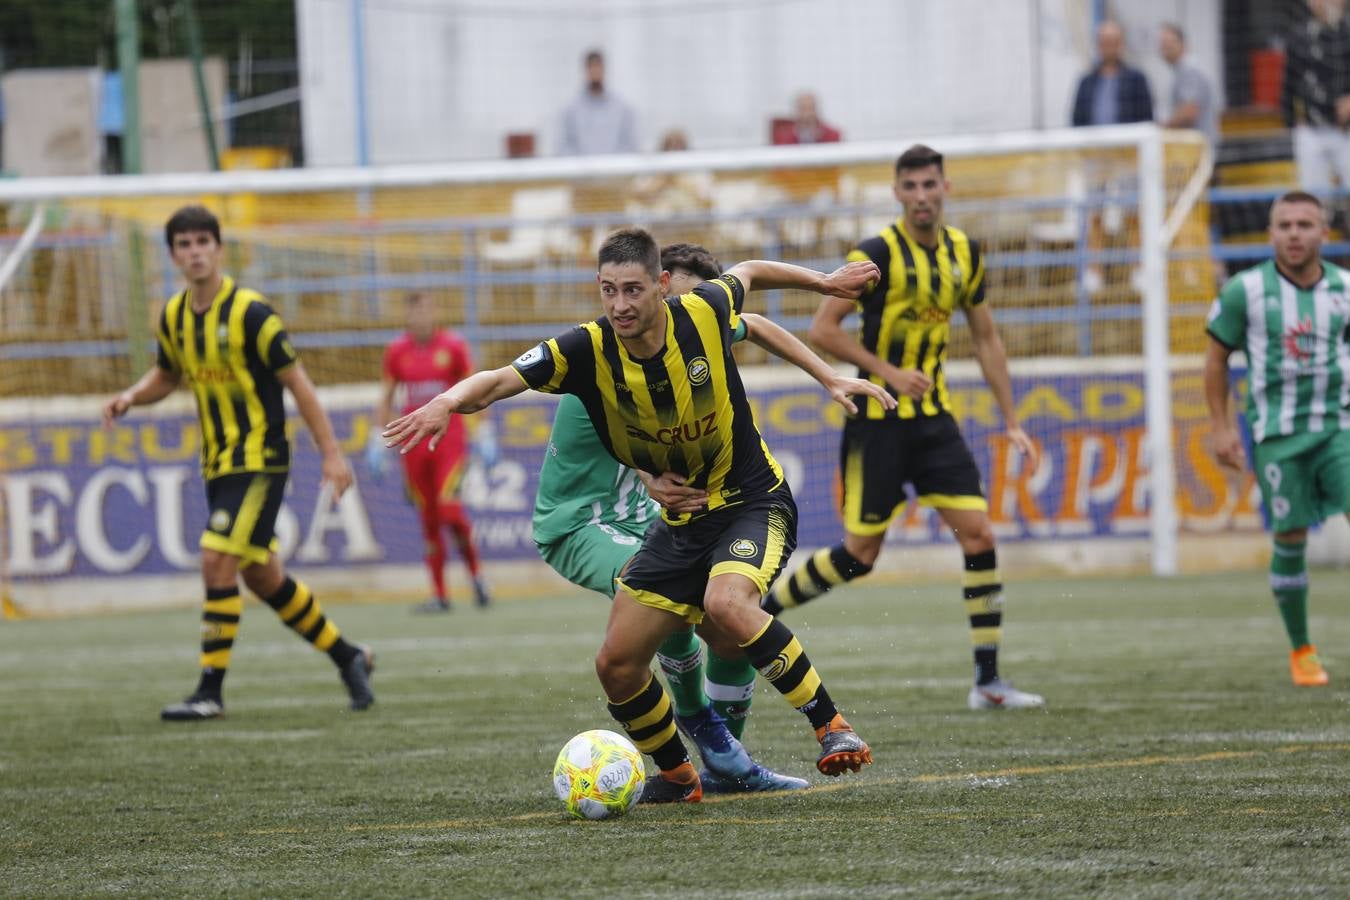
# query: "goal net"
1098, 272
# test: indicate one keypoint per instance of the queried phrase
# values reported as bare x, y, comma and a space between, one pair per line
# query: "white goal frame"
1157, 225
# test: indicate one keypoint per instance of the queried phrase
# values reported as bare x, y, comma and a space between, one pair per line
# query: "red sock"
435, 556
453, 515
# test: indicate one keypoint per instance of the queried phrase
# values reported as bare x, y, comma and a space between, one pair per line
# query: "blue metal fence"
466, 273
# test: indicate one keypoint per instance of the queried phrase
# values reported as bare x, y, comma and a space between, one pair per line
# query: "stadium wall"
449, 81
100, 520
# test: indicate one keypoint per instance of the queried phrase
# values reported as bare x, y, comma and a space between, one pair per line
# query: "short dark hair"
920, 156
191, 218
1297, 197
692, 258
1176, 30
594, 56
632, 245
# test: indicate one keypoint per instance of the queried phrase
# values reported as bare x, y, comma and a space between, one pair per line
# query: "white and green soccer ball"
598, 775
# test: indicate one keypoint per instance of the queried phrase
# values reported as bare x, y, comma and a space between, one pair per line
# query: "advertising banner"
82, 501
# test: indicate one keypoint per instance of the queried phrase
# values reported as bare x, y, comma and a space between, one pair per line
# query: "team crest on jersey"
220, 520
699, 370
223, 334
1300, 340
441, 359
744, 548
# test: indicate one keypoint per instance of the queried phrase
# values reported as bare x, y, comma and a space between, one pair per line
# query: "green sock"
731, 687
1289, 581
681, 658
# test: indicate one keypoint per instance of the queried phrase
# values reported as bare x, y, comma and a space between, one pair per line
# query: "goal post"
1096, 245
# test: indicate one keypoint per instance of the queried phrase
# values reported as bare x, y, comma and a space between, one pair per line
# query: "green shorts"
1304, 480
593, 556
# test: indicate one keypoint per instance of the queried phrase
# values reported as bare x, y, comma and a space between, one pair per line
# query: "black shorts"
879, 457
243, 515
753, 538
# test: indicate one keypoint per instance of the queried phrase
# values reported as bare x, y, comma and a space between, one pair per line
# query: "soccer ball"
598, 775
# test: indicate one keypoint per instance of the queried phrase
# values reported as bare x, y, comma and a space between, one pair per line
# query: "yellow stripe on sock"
986, 637
654, 743
789, 656
825, 563
802, 693
296, 603
230, 606
327, 637
979, 578
648, 719
981, 606
310, 619
806, 586
216, 659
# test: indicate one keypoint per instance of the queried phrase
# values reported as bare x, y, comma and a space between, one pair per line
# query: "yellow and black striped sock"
983, 593
649, 722
220, 626
300, 609
827, 568
779, 657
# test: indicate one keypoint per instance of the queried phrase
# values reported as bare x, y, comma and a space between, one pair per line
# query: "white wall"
51, 121
448, 79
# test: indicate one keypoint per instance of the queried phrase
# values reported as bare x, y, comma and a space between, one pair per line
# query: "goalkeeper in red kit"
421, 364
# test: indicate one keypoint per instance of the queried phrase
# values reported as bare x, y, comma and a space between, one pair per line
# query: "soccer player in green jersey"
590, 516
663, 392
1290, 316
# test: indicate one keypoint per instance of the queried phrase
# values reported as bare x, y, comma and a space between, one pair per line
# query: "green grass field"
1175, 759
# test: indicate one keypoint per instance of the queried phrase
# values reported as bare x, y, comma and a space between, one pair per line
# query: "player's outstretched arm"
152, 387
848, 281
827, 332
334, 470
993, 360
1227, 442
428, 422
785, 345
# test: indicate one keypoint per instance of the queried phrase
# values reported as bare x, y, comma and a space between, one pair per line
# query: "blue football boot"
758, 780
721, 753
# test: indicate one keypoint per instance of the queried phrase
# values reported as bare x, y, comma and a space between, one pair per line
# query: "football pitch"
1175, 757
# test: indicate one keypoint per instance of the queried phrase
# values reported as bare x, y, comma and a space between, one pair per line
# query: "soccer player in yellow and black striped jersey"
928, 271
231, 351
660, 384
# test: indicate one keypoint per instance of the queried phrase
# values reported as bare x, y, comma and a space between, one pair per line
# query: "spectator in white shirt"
597, 122
1191, 102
